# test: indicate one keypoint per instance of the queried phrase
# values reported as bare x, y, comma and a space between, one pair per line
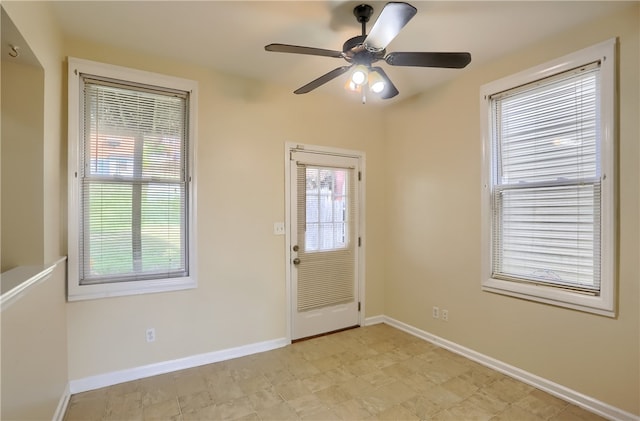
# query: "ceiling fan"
362, 51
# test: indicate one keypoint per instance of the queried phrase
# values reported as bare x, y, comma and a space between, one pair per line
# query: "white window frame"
604, 302
76, 68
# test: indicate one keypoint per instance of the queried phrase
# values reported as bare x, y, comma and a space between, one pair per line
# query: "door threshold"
323, 334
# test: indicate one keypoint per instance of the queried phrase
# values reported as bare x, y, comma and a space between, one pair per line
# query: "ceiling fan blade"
390, 90
447, 60
322, 80
392, 19
296, 49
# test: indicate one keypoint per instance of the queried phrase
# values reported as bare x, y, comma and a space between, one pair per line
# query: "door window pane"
326, 209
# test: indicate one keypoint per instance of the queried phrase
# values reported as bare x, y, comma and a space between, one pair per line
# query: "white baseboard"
62, 404
121, 376
374, 320
586, 402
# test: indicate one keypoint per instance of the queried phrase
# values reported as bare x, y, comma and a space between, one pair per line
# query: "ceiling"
230, 36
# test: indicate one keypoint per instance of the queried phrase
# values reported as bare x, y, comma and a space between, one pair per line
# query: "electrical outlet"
278, 228
436, 312
445, 315
151, 335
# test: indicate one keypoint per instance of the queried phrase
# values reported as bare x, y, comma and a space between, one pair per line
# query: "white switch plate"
151, 334
278, 228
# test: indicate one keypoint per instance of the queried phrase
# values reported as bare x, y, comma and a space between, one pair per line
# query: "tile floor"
370, 373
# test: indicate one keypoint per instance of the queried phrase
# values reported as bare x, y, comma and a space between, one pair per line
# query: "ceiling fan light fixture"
351, 86
359, 75
376, 82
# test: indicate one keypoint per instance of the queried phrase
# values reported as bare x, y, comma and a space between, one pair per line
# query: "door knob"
296, 261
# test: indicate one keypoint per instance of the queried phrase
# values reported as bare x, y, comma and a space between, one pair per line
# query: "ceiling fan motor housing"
355, 51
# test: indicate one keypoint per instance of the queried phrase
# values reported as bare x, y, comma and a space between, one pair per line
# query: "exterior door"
324, 242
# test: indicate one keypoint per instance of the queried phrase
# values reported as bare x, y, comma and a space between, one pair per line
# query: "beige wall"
34, 328
34, 351
433, 192
241, 297
22, 152
35, 22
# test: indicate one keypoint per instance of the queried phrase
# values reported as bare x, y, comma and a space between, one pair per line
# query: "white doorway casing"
322, 154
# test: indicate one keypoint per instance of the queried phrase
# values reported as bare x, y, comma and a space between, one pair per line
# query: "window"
548, 182
327, 216
131, 210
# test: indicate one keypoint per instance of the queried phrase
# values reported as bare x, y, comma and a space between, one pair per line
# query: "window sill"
602, 305
120, 289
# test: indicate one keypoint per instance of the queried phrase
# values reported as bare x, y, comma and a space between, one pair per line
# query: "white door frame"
288, 148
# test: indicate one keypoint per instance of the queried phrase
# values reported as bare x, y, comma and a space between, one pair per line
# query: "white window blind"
326, 214
133, 183
546, 191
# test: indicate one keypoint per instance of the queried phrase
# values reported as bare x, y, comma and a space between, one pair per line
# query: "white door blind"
326, 211
546, 193
133, 183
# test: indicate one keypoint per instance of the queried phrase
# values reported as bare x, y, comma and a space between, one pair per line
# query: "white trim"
290, 147
579, 399
605, 303
19, 280
62, 404
75, 291
119, 289
287, 238
121, 376
374, 320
